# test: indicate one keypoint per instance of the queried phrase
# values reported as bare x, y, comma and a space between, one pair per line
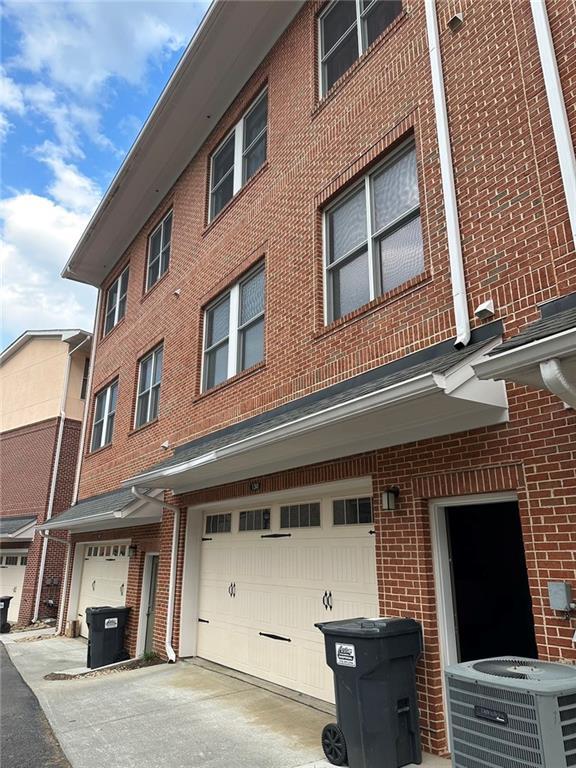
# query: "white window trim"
117, 282
152, 354
238, 180
162, 246
374, 276
234, 327
107, 392
361, 34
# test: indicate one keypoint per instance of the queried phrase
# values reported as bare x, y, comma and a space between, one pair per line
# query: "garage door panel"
284, 585
12, 571
104, 580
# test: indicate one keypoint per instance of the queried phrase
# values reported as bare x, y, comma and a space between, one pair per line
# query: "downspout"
557, 107
170, 652
87, 400
557, 382
54, 480
448, 186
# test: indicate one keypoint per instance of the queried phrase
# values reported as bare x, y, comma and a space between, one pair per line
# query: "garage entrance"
104, 578
12, 570
268, 573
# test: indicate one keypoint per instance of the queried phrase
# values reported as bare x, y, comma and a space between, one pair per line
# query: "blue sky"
77, 81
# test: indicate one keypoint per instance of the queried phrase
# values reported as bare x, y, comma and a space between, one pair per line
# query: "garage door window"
254, 520
219, 523
300, 516
11, 560
352, 511
23, 560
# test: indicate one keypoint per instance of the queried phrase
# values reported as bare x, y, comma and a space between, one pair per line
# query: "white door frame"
443, 574
144, 594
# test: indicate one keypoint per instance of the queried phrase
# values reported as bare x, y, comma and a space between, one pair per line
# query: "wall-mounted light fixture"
132, 550
255, 486
390, 498
456, 22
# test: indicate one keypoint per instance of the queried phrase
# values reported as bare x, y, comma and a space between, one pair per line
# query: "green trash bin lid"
369, 628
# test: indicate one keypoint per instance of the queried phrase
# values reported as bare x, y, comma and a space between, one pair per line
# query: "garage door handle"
93, 585
122, 589
275, 637
275, 535
372, 532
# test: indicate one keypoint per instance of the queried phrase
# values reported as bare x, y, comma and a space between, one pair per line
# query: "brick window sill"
137, 430
111, 331
233, 200
156, 284
231, 381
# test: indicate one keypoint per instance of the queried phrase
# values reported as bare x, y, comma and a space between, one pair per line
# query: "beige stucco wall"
32, 380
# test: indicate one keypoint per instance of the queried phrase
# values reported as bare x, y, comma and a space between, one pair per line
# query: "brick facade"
27, 458
517, 250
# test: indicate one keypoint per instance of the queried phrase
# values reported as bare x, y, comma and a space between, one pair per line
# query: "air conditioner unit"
512, 713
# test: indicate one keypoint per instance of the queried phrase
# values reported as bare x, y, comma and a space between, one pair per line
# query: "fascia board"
560, 345
416, 387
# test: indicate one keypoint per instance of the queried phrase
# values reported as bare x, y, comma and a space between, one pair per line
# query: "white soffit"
230, 43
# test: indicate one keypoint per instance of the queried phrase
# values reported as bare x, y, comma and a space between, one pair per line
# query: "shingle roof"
541, 329
9, 525
436, 359
113, 501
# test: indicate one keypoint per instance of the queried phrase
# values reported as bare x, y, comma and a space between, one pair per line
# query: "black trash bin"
106, 635
4, 606
374, 663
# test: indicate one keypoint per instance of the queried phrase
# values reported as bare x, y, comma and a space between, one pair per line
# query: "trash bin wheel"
334, 744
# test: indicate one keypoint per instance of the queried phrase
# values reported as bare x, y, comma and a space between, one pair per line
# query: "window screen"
219, 523
300, 515
254, 520
352, 511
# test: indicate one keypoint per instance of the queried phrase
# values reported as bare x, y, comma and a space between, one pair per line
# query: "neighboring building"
43, 387
292, 351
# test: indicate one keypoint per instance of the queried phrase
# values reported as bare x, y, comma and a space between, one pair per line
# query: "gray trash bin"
374, 662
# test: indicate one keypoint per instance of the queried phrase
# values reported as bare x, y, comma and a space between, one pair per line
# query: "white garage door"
104, 579
12, 570
267, 575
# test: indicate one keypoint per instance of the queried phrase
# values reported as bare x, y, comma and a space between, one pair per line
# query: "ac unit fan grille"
480, 743
567, 707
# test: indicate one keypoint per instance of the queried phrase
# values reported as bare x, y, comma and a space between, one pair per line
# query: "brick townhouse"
335, 362
43, 386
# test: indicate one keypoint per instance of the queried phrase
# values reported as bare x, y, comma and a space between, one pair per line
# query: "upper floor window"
373, 238
234, 330
240, 155
149, 378
116, 301
347, 29
159, 251
104, 412
85, 375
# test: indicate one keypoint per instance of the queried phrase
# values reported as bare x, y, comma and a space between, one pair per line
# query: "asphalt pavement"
26, 739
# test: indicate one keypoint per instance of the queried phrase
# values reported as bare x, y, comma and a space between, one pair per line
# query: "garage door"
267, 575
104, 579
12, 570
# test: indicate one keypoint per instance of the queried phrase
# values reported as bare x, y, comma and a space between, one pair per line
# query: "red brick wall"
27, 457
517, 250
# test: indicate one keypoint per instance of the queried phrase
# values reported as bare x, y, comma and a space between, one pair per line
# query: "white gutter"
54, 480
170, 652
87, 401
557, 106
448, 186
557, 382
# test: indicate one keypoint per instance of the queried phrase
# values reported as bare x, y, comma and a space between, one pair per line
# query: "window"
149, 379
219, 523
240, 155
234, 330
23, 560
84, 386
352, 511
11, 560
116, 302
373, 238
300, 516
254, 520
104, 412
347, 29
159, 251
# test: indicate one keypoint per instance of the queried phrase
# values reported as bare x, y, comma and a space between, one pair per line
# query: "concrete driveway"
181, 715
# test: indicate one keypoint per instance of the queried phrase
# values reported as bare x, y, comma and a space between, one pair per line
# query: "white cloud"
38, 235
11, 96
83, 45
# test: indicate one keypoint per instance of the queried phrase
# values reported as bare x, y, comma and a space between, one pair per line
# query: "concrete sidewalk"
180, 715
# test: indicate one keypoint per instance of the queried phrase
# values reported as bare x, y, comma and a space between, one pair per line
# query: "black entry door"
492, 605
